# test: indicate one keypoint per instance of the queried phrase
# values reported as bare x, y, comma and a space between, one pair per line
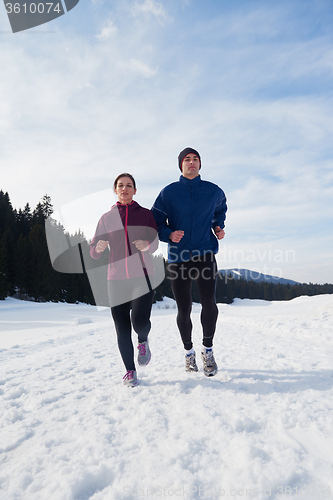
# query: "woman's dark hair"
124, 175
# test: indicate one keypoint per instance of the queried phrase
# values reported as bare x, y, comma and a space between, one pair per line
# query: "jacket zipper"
191, 231
126, 240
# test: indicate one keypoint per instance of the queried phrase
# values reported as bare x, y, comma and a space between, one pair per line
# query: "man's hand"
141, 245
101, 246
176, 236
219, 232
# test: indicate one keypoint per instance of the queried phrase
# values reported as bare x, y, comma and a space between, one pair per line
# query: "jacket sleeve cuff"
94, 254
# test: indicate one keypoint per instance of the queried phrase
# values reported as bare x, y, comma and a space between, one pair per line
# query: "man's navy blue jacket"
195, 207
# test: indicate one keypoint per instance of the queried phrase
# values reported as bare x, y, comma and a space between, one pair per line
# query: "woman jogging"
130, 232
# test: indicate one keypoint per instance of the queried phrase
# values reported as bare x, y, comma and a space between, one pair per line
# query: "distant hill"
249, 275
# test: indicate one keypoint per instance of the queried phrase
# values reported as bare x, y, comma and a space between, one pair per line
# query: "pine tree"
42, 211
7, 215
41, 281
23, 266
47, 207
6, 285
24, 220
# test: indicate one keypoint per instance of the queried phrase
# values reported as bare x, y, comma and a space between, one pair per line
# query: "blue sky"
125, 85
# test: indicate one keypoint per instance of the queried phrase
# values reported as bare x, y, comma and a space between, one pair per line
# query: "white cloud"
108, 31
139, 68
149, 7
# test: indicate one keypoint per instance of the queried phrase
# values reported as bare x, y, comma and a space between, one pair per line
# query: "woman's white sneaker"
144, 353
130, 379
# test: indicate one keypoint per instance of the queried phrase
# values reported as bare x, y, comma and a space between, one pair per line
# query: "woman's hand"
142, 245
176, 236
101, 246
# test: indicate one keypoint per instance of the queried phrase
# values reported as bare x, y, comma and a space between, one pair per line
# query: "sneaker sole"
131, 385
211, 374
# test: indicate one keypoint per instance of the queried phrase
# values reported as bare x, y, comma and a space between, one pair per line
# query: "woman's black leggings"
203, 270
124, 319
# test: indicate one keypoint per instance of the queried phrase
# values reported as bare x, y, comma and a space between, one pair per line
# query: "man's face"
191, 166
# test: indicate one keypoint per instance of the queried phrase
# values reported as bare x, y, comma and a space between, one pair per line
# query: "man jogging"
190, 217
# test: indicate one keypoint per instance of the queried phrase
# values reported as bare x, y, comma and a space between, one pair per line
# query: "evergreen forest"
26, 271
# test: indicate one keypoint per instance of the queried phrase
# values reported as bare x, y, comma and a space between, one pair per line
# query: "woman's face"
125, 190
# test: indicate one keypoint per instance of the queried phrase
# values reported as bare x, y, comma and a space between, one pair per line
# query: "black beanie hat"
184, 153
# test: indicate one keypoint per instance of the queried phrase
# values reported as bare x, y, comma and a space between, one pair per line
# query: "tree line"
26, 271
228, 288
25, 267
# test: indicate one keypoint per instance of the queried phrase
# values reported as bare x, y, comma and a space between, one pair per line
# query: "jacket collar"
185, 180
125, 204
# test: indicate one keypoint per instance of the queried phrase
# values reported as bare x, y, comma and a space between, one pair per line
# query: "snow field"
71, 431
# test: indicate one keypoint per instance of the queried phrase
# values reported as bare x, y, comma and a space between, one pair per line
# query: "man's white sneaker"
209, 365
190, 363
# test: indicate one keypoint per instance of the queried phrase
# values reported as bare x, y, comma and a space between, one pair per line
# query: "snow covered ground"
71, 431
